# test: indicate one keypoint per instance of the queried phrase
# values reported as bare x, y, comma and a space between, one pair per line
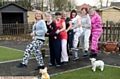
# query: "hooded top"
96, 23
39, 28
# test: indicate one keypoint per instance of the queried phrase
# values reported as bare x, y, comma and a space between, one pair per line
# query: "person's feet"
65, 63
50, 64
85, 54
74, 49
22, 65
58, 66
70, 53
75, 58
40, 67
93, 54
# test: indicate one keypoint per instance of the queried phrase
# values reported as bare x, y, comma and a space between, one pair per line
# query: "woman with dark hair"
86, 25
69, 32
54, 41
61, 29
77, 29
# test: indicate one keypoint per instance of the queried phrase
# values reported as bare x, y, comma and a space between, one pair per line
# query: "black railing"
111, 31
15, 31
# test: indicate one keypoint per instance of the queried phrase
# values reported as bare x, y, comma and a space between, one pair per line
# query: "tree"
102, 3
25, 3
107, 3
0, 3
60, 4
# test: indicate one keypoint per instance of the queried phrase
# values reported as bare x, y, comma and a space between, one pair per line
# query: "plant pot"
111, 46
43, 52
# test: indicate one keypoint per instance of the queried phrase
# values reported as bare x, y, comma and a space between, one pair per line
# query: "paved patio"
10, 69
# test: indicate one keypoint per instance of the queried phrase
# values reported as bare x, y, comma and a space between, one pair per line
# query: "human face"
38, 15
63, 14
83, 12
91, 12
73, 14
48, 17
58, 17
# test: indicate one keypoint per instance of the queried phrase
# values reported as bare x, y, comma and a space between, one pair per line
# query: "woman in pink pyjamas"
96, 31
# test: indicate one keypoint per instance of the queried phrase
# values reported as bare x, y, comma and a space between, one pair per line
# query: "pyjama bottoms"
94, 40
75, 42
34, 47
84, 39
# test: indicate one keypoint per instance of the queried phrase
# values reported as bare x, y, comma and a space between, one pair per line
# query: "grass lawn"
7, 54
87, 73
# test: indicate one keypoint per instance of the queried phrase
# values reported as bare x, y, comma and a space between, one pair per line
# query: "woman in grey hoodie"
86, 25
38, 35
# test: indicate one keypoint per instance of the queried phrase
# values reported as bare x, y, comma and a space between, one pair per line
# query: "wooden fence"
111, 31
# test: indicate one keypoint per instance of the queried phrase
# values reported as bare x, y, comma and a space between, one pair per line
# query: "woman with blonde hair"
38, 35
69, 31
96, 31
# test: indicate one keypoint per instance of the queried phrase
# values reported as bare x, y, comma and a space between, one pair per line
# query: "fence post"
119, 32
17, 27
106, 30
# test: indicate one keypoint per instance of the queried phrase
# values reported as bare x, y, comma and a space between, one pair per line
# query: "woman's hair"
48, 13
94, 9
63, 12
38, 11
73, 11
85, 10
57, 13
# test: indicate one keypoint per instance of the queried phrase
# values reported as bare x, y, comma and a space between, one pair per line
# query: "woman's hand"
72, 27
47, 33
32, 34
58, 31
55, 37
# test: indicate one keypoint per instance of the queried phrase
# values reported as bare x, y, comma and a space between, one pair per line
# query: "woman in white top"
77, 29
86, 25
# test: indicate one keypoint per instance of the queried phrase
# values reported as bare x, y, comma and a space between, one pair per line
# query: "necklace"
49, 22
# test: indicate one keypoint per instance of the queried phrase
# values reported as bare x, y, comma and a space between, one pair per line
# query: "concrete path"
10, 69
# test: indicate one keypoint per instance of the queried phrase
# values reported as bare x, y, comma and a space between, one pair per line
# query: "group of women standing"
64, 35
68, 31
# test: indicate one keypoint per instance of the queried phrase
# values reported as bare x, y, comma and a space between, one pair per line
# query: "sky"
92, 2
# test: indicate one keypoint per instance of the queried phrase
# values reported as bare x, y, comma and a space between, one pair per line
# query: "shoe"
70, 54
58, 66
84, 56
93, 55
22, 65
74, 49
40, 67
69, 58
75, 58
50, 64
65, 63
